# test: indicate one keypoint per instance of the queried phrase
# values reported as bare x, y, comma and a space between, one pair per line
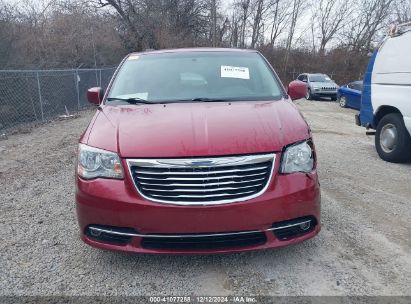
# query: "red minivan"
196, 151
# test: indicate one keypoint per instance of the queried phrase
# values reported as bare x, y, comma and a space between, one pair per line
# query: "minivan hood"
197, 129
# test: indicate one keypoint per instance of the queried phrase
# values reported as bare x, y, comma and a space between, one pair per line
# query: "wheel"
334, 98
343, 102
308, 94
392, 141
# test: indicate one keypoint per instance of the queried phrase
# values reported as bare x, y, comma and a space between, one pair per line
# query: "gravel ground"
363, 249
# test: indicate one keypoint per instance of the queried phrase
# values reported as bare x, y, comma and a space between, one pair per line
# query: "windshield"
320, 78
202, 76
358, 85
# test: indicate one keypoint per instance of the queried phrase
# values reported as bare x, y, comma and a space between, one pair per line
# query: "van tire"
392, 141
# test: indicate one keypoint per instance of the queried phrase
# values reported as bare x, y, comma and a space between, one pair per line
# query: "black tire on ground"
308, 95
334, 98
392, 141
343, 101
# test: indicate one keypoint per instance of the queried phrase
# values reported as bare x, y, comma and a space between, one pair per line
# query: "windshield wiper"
205, 99
136, 100
131, 100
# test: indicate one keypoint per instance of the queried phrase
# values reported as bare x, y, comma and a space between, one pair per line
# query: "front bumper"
322, 93
116, 203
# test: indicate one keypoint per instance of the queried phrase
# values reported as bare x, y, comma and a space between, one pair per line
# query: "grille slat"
202, 181
197, 185
201, 195
198, 190
150, 172
197, 177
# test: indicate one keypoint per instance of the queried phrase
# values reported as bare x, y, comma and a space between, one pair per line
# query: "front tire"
392, 141
308, 95
343, 101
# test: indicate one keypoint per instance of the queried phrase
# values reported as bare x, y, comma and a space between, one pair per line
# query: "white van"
386, 96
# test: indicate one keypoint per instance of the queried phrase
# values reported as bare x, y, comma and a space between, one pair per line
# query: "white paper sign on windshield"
234, 72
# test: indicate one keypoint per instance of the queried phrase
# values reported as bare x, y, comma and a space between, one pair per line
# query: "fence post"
100, 79
76, 79
40, 98
31, 99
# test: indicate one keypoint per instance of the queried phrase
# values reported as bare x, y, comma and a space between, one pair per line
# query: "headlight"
298, 158
93, 163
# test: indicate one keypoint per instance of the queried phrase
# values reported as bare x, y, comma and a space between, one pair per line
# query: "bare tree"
7, 35
128, 13
223, 30
279, 13
372, 16
214, 21
145, 20
245, 10
234, 29
67, 33
328, 17
313, 37
60, 33
401, 11
259, 8
219, 23
297, 7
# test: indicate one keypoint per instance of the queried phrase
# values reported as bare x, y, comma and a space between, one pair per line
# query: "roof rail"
398, 29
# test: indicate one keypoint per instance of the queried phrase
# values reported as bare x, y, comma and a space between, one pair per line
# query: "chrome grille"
202, 181
329, 88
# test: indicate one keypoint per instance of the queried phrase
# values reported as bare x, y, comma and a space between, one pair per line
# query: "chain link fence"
39, 95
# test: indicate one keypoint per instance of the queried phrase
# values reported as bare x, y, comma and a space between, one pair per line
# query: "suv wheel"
308, 94
343, 101
392, 141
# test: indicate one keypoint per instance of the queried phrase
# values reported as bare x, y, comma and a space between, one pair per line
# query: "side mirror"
95, 95
297, 89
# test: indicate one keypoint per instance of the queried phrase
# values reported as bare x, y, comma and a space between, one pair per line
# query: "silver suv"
319, 85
